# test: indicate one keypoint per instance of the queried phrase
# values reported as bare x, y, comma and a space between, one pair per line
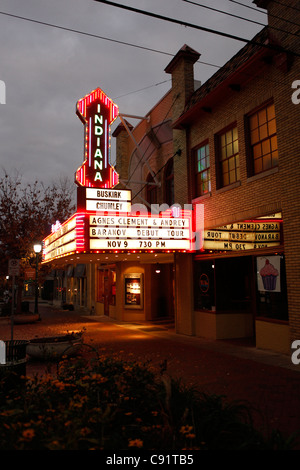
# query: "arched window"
151, 190
169, 183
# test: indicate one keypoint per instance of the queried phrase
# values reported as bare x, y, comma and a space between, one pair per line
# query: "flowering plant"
111, 404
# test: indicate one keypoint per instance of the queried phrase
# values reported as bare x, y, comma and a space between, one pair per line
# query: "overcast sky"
46, 70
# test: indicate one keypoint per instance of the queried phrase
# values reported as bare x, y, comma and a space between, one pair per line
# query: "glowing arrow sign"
97, 112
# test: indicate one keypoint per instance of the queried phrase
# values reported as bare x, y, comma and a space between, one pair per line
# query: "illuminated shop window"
203, 184
263, 139
229, 165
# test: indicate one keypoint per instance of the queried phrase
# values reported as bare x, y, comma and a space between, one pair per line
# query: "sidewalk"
269, 382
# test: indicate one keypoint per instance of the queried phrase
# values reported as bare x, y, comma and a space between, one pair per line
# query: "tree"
27, 212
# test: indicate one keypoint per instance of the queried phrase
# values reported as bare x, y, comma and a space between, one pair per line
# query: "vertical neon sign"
97, 112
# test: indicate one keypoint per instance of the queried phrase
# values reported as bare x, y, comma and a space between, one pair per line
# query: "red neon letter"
97, 112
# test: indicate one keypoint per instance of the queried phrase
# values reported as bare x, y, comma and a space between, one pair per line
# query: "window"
271, 294
204, 285
203, 184
151, 190
263, 139
229, 166
100, 286
169, 183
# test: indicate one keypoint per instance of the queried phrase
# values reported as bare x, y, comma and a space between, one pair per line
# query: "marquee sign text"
109, 200
99, 232
243, 236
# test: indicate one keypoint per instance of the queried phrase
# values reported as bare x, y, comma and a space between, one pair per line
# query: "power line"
142, 89
194, 26
173, 20
64, 28
165, 164
148, 146
224, 12
238, 17
113, 40
269, 14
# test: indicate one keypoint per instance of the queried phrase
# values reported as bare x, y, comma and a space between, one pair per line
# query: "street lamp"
37, 249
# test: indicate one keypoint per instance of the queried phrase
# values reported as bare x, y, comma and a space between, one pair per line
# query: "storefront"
240, 282
127, 285
136, 288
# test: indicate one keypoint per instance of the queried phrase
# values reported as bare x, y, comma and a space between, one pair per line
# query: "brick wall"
251, 197
275, 190
285, 17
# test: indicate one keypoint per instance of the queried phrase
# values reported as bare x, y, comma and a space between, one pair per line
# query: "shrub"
110, 404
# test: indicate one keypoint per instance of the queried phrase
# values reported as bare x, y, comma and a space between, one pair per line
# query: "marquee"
104, 221
100, 232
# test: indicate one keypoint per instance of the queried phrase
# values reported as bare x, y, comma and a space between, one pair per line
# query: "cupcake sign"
268, 273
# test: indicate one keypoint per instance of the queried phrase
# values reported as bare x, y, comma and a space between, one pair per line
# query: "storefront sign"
268, 274
243, 236
97, 112
95, 232
56, 226
108, 200
204, 283
65, 240
140, 233
29, 273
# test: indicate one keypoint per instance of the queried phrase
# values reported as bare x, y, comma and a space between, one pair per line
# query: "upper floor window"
169, 183
151, 190
229, 164
263, 139
203, 184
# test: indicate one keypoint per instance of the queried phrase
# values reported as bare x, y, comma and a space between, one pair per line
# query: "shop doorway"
106, 288
106, 293
233, 284
224, 292
163, 292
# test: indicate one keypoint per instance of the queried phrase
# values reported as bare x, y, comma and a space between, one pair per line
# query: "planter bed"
15, 365
54, 347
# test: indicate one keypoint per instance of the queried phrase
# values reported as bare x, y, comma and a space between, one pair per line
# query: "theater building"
115, 255
228, 149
